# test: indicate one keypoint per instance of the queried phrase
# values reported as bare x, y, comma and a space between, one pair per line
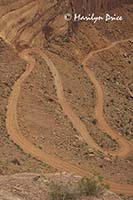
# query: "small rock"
36, 178
107, 159
125, 55
15, 161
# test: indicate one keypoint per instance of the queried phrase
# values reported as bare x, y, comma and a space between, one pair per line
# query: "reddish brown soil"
62, 130
13, 160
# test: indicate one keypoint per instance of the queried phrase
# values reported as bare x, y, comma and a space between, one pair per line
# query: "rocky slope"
35, 187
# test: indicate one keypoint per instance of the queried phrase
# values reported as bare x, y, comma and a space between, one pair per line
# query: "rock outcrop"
84, 6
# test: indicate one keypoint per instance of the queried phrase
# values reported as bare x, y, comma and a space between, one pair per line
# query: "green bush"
84, 187
90, 187
61, 192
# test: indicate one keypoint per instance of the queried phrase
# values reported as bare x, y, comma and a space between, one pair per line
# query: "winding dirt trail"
77, 123
126, 147
18, 33
13, 127
28, 147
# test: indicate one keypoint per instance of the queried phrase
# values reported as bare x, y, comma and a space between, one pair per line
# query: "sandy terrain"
70, 104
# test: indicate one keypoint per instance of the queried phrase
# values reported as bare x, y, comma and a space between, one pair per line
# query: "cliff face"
89, 6
84, 6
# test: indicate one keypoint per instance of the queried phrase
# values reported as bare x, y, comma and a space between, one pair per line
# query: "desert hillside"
33, 186
66, 93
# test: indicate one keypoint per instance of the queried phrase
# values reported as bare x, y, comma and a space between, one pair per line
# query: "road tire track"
18, 138
125, 146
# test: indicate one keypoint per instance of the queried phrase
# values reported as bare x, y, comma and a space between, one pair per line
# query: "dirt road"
15, 24
28, 147
126, 147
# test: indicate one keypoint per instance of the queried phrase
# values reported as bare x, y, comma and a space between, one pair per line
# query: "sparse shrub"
94, 121
81, 65
90, 187
106, 186
83, 188
62, 192
40, 147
